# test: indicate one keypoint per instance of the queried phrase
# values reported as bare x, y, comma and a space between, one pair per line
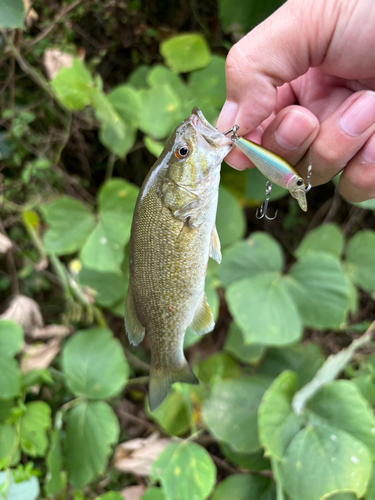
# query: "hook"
263, 208
234, 130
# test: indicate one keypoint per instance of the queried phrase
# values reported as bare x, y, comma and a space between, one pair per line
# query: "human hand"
319, 54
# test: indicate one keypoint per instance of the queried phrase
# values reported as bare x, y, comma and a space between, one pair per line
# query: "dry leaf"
5, 243
50, 331
39, 355
133, 492
31, 14
137, 455
55, 59
25, 312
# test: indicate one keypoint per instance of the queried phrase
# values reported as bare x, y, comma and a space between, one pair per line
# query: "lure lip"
208, 131
300, 196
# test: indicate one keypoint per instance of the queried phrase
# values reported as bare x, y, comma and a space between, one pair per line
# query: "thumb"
279, 50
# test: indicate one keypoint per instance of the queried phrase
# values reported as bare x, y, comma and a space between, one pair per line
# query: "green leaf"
160, 75
8, 445
251, 461
230, 412
185, 52
104, 249
91, 431
264, 311
173, 415
11, 338
230, 219
111, 495
118, 137
370, 494
163, 102
70, 225
341, 405
73, 85
209, 82
6, 406
322, 460
108, 288
153, 494
127, 103
235, 344
218, 366
12, 14
25, 490
304, 359
258, 254
10, 378
245, 487
325, 238
360, 260
138, 77
185, 470
276, 421
55, 478
318, 286
153, 147
85, 362
34, 423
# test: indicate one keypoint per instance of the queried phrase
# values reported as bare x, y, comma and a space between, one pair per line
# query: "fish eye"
182, 151
300, 182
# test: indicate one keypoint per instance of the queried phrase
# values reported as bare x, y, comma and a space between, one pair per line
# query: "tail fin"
161, 381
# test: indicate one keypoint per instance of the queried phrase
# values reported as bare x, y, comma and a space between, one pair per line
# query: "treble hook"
263, 208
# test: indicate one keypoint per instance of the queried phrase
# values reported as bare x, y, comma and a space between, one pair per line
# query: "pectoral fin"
203, 321
133, 326
215, 252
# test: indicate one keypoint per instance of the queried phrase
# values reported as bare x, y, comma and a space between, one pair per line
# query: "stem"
137, 363
138, 380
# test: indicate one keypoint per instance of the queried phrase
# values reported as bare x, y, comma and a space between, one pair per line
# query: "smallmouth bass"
172, 236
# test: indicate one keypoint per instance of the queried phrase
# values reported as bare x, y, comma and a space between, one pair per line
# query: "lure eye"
182, 151
300, 182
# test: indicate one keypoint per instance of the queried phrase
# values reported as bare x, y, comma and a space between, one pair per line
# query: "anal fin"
215, 252
203, 321
133, 327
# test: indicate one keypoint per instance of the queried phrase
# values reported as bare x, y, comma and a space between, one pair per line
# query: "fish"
173, 234
275, 168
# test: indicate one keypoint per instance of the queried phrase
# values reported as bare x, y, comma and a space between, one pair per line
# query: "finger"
275, 52
357, 182
340, 137
289, 134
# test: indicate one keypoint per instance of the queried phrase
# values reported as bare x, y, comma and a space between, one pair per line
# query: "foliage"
289, 302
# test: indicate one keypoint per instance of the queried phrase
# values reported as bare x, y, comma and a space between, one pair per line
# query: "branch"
58, 16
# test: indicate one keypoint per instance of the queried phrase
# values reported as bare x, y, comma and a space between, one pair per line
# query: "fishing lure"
275, 168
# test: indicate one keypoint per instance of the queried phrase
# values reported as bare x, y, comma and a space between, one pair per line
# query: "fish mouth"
214, 138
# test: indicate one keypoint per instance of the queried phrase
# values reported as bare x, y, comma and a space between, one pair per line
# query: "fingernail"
368, 151
228, 115
360, 115
293, 130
